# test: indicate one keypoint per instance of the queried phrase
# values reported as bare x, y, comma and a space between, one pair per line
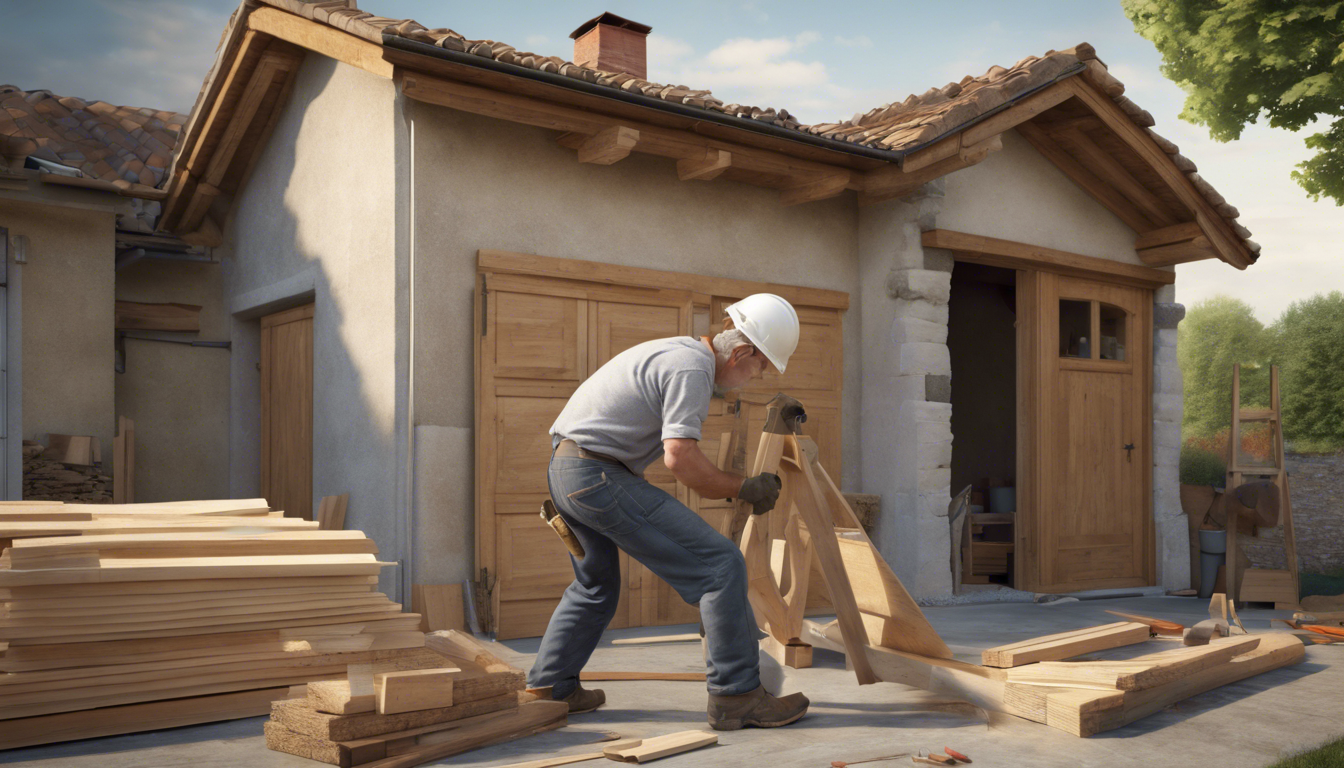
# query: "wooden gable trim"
1014, 255
1228, 246
321, 38
506, 262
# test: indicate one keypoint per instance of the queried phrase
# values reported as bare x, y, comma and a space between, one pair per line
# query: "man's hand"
761, 491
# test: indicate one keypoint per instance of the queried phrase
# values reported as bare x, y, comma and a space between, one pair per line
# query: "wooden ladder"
1271, 585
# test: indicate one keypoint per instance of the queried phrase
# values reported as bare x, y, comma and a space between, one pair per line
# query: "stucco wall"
483, 183
318, 222
177, 395
1017, 194
67, 320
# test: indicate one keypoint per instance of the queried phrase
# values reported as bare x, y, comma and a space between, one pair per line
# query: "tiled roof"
106, 142
898, 126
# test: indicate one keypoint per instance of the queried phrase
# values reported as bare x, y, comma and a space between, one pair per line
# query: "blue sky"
821, 61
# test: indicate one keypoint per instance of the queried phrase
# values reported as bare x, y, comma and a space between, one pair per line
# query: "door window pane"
1075, 328
1112, 332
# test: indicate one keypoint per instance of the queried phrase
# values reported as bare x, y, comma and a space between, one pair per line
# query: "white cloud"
537, 42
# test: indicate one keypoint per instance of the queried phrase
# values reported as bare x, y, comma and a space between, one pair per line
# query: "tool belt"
568, 449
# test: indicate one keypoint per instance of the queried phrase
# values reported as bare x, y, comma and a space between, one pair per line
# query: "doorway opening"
982, 340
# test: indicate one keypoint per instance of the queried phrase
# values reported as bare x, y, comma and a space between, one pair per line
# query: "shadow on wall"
308, 230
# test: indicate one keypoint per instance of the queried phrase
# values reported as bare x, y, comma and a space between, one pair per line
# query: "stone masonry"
1170, 526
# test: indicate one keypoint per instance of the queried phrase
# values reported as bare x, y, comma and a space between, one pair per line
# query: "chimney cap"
613, 20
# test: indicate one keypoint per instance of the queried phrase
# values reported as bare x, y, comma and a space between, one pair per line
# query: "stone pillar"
1172, 531
907, 438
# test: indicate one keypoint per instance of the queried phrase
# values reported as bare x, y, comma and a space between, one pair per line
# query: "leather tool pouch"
553, 519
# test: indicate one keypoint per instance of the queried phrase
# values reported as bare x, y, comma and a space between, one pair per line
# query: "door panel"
1087, 500
538, 339
287, 411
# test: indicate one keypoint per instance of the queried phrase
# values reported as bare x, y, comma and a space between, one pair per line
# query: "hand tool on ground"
954, 753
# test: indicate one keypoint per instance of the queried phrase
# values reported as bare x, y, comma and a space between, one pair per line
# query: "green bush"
1200, 466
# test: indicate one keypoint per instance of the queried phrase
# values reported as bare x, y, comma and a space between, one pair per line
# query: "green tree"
1309, 349
1240, 59
1217, 333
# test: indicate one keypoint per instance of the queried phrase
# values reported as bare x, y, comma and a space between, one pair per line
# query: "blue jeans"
608, 508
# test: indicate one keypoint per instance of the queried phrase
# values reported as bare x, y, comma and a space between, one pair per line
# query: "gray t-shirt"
647, 394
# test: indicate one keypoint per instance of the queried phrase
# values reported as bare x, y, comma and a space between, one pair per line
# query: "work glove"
761, 491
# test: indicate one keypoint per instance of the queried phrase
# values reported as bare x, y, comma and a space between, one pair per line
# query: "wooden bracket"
611, 145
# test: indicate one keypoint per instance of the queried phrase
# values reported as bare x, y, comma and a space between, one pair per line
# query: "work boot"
580, 700
758, 708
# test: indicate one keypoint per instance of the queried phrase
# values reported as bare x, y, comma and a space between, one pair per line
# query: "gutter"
700, 113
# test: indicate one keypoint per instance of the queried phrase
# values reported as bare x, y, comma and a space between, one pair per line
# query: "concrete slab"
1245, 725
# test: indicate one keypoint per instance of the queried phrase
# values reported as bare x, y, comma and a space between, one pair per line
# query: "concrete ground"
1247, 724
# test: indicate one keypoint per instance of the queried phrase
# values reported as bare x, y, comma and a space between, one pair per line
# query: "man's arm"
694, 470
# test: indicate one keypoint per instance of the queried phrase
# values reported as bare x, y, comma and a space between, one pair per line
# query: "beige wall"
67, 297
178, 396
318, 223
483, 183
1017, 194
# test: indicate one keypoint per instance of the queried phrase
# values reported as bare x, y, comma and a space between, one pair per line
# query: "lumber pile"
451, 696
107, 612
47, 479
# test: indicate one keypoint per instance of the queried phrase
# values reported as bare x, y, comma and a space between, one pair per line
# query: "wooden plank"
661, 746
615, 274
351, 696
132, 718
1134, 674
1159, 626
299, 716
689, 637
1177, 233
1103, 193
331, 512
322, 38
1015, 255
880, 593
1064, 645
440, 605
1197, 249
140, 316
171, 568
414, 690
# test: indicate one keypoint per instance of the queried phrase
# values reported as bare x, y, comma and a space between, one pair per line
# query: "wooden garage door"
545, 325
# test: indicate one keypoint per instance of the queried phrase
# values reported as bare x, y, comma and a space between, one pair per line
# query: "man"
650, 400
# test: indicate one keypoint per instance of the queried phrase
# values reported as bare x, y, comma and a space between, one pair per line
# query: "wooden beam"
609, 146
654, 140
929, 155
1020, 112
1108, 169
415, 689
1229, 245
890, 182
1103, 193
1084, 123
1197, 249
1177, 233
1138, 673
504, 262
710, 166
814, 189
1015, 255
1065, 645
321, 38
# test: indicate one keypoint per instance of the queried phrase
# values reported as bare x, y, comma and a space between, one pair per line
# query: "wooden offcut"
439, 605
661, 746
1065, 645
414, 690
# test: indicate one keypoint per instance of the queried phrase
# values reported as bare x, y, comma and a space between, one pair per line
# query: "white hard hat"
770, 322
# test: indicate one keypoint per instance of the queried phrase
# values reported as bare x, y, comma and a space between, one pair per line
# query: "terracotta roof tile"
104, 141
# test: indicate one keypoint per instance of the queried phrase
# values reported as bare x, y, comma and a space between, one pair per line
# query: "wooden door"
538, 338
1087, 499
287, 411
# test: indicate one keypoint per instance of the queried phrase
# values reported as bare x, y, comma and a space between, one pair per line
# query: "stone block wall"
1170, 526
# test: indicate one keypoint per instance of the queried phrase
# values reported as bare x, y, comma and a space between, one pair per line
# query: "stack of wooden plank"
120, 618
347, 723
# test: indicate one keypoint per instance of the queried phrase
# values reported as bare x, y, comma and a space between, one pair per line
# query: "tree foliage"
1240, 59
1309, 350
1217, 333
